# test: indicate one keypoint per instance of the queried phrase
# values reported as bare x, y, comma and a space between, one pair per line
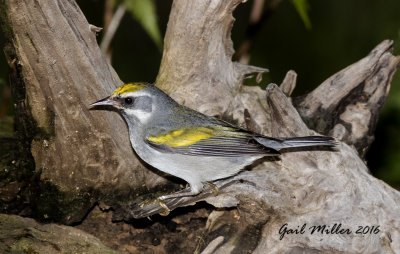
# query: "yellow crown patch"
129, 88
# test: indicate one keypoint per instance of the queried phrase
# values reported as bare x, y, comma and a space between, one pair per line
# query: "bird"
190, 145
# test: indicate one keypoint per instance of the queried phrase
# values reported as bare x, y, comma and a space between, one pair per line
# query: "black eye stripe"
142, 102
128, 100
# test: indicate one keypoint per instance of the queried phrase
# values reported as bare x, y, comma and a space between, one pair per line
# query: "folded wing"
224, 141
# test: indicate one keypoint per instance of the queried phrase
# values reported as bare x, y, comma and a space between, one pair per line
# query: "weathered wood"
82, 156
197, 58
24, 235
347, 105
289, 83
313, 187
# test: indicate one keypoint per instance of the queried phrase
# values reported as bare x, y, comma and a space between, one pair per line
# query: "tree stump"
85, 157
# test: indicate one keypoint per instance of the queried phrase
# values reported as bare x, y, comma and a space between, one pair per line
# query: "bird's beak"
103, 102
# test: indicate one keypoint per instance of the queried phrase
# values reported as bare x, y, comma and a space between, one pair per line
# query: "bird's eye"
128, 100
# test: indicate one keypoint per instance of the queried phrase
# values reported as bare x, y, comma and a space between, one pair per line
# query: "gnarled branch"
85, 156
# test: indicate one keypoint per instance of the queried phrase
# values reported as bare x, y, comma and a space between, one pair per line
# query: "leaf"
303, 7
144, 11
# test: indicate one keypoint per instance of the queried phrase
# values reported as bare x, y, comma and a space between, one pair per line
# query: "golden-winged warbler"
188, 144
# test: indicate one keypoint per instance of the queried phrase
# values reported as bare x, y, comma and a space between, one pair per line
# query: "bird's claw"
163, 205
213, 186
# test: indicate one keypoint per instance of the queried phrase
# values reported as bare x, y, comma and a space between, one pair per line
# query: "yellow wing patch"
183, 137
129, 88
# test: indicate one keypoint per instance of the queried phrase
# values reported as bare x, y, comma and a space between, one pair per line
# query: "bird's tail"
297, 142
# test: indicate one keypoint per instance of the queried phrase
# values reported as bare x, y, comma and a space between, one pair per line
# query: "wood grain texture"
313, 187
197, 58
85, 154
347, 105
64, 71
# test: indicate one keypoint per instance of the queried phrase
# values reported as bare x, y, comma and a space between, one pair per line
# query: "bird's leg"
183, 193
163, 205
189, 192
214, 187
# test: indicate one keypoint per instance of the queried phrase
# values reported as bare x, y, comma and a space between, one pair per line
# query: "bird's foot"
163, 205
213, 186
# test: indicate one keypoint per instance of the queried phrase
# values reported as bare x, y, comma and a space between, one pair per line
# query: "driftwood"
81, 155
25, 235
85, 155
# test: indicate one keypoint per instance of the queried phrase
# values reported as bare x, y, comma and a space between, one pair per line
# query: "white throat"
141, 115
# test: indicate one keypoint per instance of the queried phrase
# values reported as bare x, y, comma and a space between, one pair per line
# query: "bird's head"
132, 100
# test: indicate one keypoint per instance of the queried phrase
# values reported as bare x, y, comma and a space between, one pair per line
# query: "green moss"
16, 173
54, 205
6, 126
16, 162
24, 235
47, 201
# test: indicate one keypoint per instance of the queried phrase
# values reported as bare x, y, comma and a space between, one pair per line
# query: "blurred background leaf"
144, 11
302, 7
